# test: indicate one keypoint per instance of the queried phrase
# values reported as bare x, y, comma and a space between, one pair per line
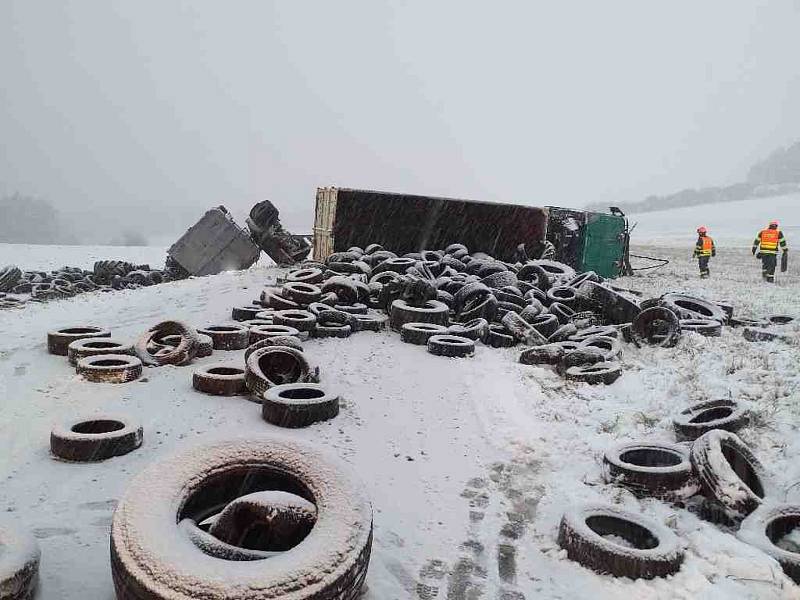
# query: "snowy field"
469, 463
730, 223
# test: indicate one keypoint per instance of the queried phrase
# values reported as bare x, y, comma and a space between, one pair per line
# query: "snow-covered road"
469, 463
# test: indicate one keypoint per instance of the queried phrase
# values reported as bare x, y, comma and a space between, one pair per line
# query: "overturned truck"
587, 241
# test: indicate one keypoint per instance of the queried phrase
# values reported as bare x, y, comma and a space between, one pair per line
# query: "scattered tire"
94, 347
419, 333
332, 330
433, 311
699, 419
302, 320
274, 365
451, 345
729, 472
766, 528
755, 334
278, 340
549, 354
331, 562
498, 336
562, 294
562, 334
746, 322
588, 535
309, 275
110, 368
9, 277
656, 326
705, 327
595, 374
219, 380
227, 337
545, 323
563, 312
614, 306
369, 322
689, 307
603, 330
780, 319
19, 561
263, 332
245, 313
298, 405
301, 292
658, 470
473, 330
182, 354
58, 341
609, 346
95, 438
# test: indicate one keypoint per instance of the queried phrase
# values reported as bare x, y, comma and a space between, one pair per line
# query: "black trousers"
702, 261
768, 264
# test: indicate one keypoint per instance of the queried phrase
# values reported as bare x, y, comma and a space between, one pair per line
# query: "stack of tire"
709, 471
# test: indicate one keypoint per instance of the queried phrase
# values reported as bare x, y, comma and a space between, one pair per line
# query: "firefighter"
704, 249
765, 247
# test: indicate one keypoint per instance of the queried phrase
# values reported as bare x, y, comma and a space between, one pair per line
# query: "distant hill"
776, 175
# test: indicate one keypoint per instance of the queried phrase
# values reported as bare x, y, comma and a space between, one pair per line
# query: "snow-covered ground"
730, 223
469, 463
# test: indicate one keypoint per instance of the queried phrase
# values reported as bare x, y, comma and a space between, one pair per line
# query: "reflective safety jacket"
704, 247
768, 240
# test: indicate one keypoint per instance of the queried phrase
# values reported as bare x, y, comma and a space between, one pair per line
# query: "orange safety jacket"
768, 240
704, 247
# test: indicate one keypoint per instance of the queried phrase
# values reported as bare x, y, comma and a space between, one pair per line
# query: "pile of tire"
19, 287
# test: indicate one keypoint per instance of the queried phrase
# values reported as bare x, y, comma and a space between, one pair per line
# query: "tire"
95, 437
563, 333
729, 472
656, 326
271, 299
452, 346
182, 354
472, 330
556, 271
344, 288
298, 405
302, 320
274, 365
765, 527
332, 330
278, 340
245, 313
563, 295
9, 278
546, 324
219, 380
609, 346
227, 337
600, 373
755, 334
110, 368
689, 307
205, 346
369, 322
549, 354
433, 311
658, 470
780, 319
522, 330
604, 330
616, 308
579, 357
469, 292
353, 309
705, 327
19, 565
563, 312
310, 275
498, 337
263, 332
300, 292
330, 563
531, 311
499, 280
419, 333
94, 347
58, 341
483, 306
699, 419
655, 553
536, 275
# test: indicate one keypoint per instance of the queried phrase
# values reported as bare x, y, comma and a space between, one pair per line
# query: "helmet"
701, 229
773, 223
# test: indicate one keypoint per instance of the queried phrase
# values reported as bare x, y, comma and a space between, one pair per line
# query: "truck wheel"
95, 438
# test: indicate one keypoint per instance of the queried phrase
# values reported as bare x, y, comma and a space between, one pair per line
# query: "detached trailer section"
409, 223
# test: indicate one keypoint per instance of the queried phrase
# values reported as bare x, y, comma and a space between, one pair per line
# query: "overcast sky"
177, 106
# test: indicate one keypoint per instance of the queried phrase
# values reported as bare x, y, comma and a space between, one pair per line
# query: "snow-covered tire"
58, 341
729, 472
205, 345
609, 346
656, 326
655, 550
227, 337
274, 365
765, 527
419, 333
659, 470
310, 275
562, 334
95, 437
356, 308
563, 312
263, 332
545, 323
302, 320
451, 345
705, 327
689, 307
332, 330
433, 311
549, 354
747, 322
93, 347
699, 419
604, 330
152, 559
522, 330
601, 372
273, 299
109, 368
245, 313
300, 292
298, 405
780, 319
182, 354
219, 380
369, 322
536, 275
498, 336
9, 277
615, 307
278, 340
473, 330
562, 294
756, 334
500, 279
19, 561
344, 288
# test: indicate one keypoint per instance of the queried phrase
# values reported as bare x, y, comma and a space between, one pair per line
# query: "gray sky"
177, 106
